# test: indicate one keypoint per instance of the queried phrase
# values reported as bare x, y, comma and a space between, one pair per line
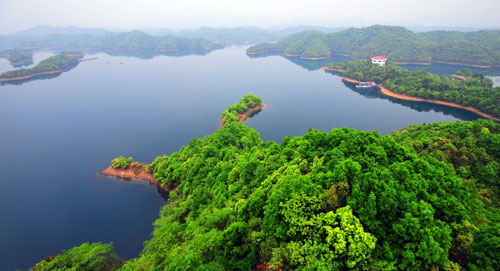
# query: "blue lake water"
58, 133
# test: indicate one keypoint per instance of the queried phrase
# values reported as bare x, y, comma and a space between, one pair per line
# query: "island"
241, 110
475, 94
18, 57
475, 49
51, 66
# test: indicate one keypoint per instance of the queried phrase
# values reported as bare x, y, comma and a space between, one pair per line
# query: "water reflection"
418, 106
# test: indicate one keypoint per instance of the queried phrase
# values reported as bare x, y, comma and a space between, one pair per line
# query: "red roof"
379, 58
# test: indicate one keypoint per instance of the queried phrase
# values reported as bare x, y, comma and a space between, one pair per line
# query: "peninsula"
241, 110
52, 65
475, 94
127, 168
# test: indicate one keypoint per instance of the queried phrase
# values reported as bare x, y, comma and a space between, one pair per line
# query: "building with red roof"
379, 60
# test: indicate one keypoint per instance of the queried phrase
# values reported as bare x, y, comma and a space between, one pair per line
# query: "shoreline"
264, 52
392, 94
42, 73
461, 77
29, 76
315, 58
331, 69
244, 116
462, 64
137, 172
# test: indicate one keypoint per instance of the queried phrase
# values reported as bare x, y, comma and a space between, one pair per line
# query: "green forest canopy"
397, 43
340, 200
476, 91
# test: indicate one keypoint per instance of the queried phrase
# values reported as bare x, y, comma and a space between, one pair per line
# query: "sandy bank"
315, 58
332, 69
29, 76
461, 77
416, 99
264, 52
412, 63
137, 172
390, 93
244, 116
462, 64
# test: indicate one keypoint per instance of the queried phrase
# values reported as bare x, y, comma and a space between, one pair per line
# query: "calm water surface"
58, 133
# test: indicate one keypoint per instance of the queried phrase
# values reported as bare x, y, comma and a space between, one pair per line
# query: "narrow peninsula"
475, 94
51, 66
241, 110
127, 168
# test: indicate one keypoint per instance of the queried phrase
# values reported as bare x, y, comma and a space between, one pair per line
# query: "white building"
379, 60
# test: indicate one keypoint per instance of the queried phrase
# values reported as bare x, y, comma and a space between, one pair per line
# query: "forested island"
18, 57
52, 65
473, 92
241, 110
478, 49
423, 198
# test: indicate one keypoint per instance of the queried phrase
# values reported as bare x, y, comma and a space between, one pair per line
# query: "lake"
58, 133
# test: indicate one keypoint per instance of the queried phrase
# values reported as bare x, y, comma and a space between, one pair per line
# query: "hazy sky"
18, 15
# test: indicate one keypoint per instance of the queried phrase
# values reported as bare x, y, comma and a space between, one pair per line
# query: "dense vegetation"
419, 199
477, 91
400, 44
231, 113
54, 63
122, 162
18, 56
86, 257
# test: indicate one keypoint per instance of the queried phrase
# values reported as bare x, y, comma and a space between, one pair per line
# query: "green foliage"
231, 113
86, 257
398, 43
55, 63
324, 201
477, 91
121, 162
17, 56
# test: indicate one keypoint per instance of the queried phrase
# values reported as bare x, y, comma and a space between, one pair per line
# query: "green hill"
397, 43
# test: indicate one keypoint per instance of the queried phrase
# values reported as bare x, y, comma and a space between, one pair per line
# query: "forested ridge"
476, 91
397, 43
52, 64
419, 199
132, 40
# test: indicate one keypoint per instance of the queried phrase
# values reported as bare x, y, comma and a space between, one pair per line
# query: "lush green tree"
86, 257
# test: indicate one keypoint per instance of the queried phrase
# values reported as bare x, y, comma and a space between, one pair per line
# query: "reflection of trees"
418, 106
150, 53
41, 77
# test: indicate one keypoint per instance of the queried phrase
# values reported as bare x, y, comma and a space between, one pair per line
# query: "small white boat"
366, 85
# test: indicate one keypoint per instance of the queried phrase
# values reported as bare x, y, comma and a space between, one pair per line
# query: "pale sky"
18, 15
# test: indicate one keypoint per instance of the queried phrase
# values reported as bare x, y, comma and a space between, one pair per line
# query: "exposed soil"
137, 172
332, 69
244, 116
461, 77
29, 76
390, 93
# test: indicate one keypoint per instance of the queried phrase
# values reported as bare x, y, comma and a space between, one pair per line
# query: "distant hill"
397, 43
133, 40
44, 30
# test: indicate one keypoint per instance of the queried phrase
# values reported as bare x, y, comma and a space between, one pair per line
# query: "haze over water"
58, 133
